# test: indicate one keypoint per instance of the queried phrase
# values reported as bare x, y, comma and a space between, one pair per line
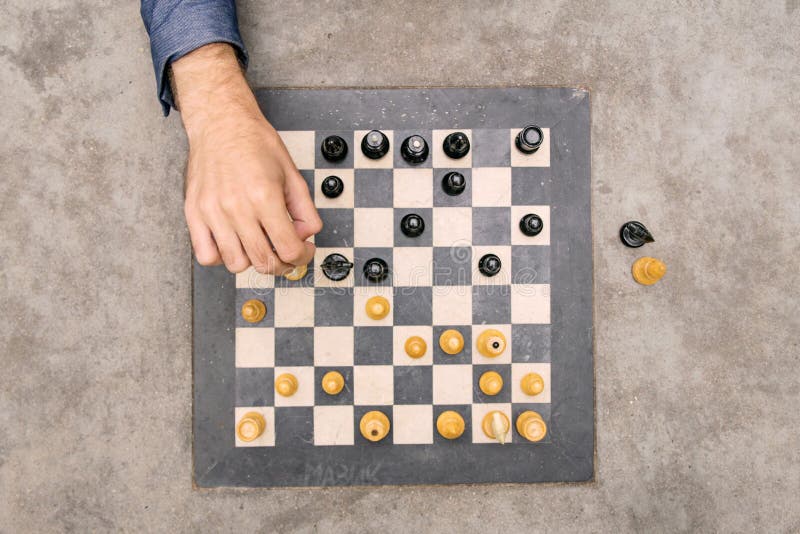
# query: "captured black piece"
414, 149
375, 144
456, 145
489, 265
529, 139
454, 183
332, 186
412, 225
376, 270
634, 234
531, 224
336, 267
334, 148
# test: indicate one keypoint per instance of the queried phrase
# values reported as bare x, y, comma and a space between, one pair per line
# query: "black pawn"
531, 224
454, 183
376, 270
375, 144
336, 267
529, 139
456, 145
489, 265
334, 148
412, 225
332, 186
414, 149
633, 234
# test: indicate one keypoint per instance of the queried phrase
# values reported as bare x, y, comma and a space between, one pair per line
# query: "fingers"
229, 246
205, 248
280, 229
258, 249
300, 206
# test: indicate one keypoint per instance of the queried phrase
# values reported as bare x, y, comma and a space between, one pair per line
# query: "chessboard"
477, 363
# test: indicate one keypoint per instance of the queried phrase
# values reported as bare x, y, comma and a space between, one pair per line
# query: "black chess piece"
531, 224
634, 234
414, 149
454, 183
489, 265
376, 270
412, 225
529, 139
332, 186
375, 144
334, 148
456, 145
336, 267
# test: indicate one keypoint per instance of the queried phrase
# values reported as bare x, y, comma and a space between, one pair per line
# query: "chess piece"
532, 384
375, 144
377, 307
491, 343
489, 265
491, 383
454, 183
336, 267
647, 271
297, 273
332, 382
451, 341
253, 311
416, 347
374, 425
634, 234
412, 225
531, 224
376, 270
250, 426
332, 186
456, 145
531, 426
450, 424
529, 139
414, 149
286, 385
496, 425
334, 148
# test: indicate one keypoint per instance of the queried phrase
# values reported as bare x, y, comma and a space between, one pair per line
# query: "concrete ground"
695, 132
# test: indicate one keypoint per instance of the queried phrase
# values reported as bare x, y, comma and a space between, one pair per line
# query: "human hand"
246, 203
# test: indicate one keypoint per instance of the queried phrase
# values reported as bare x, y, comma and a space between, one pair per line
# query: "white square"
333, 425
452, 226
255, 347
412, 424
519, 370
540, 158
362, 161
491, 186
452, 384
333, 346
479, 358
294, 306
518, 238
413, 266
252, 279
300, 145
320, 280
400, 335
373, 227
413, 188
373, 385
267, 438
346, 199
452, 305
442, 160
503, 278
304, 396
479, 411
361, 294
530, 303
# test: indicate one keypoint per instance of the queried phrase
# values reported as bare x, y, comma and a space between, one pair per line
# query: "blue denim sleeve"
176, 27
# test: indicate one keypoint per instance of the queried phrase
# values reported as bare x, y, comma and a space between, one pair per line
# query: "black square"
413, 384
442, 199
358, 413
491, 226
373, 345
337, 228
530, 343
333, 306
374, 188
400, 136
363, 254
308, 178
530, 264
491, 148
542, 409
321, 163
294, 426
491, 304
343, 397
294, 346
452, 266
267, 296
504, 370
465, 439
463, 357
413, 306
255, 386
531, 186
423, 240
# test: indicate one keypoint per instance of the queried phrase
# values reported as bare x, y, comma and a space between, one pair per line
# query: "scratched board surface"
541, 301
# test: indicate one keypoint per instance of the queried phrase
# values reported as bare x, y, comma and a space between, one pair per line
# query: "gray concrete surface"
695, 114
